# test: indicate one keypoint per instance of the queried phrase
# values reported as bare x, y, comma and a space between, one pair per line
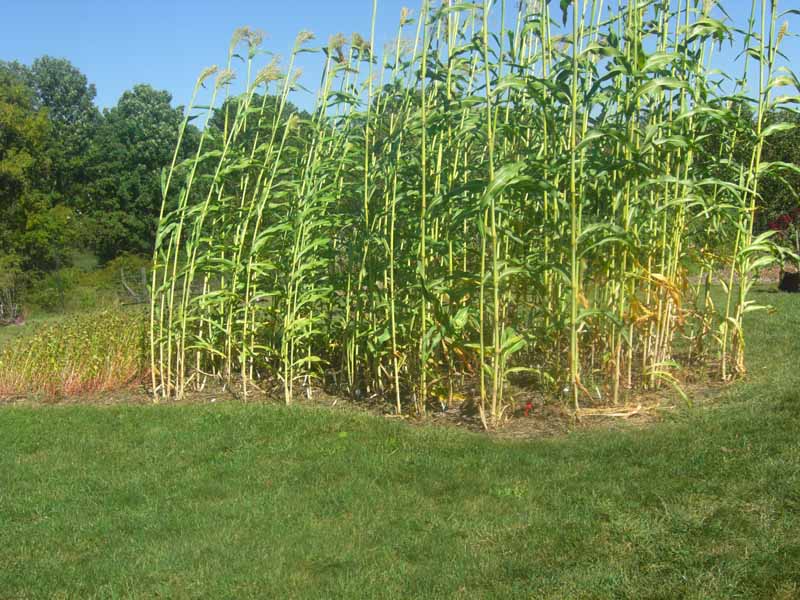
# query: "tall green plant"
508, 201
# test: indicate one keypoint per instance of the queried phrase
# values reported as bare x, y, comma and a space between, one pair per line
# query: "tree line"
73, 176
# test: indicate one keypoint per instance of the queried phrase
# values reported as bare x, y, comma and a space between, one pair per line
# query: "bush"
76, 289
787, 228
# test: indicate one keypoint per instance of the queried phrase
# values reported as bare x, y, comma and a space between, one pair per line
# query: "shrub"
74, 288
787, 228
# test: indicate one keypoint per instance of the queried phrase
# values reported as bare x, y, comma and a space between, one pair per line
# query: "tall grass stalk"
515, 201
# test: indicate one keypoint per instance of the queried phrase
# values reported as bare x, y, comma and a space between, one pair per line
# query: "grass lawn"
236, 501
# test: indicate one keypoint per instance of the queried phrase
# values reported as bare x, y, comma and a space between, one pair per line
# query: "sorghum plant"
512, 192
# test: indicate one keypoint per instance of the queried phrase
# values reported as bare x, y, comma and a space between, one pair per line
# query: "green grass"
235, 501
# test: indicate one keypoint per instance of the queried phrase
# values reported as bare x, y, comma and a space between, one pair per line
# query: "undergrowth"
91, 352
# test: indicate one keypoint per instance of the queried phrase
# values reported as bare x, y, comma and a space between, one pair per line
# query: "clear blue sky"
166, 43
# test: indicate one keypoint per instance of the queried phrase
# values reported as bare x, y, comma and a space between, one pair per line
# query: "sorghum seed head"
336, 42
256, 37
269, 73
783, 31
239, 34
224, 78
206, 73
303, 37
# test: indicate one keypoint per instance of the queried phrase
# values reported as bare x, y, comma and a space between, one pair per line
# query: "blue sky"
166, 43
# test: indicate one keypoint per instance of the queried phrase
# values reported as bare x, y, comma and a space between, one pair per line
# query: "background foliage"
72, 176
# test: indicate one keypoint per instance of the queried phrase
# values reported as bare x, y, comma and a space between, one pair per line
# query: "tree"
271, 105
779, 188
32, 224
68, 97
779, 191
133, 143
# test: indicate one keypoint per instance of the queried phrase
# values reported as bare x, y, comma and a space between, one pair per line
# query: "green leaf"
658, 60
564, 10
777, 128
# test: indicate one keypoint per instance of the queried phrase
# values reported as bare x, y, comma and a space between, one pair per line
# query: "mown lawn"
236, 501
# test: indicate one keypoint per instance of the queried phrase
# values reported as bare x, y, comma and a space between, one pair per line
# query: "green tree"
134, 141
69, 99
779, 191
261, 123
33, 225
60, 88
